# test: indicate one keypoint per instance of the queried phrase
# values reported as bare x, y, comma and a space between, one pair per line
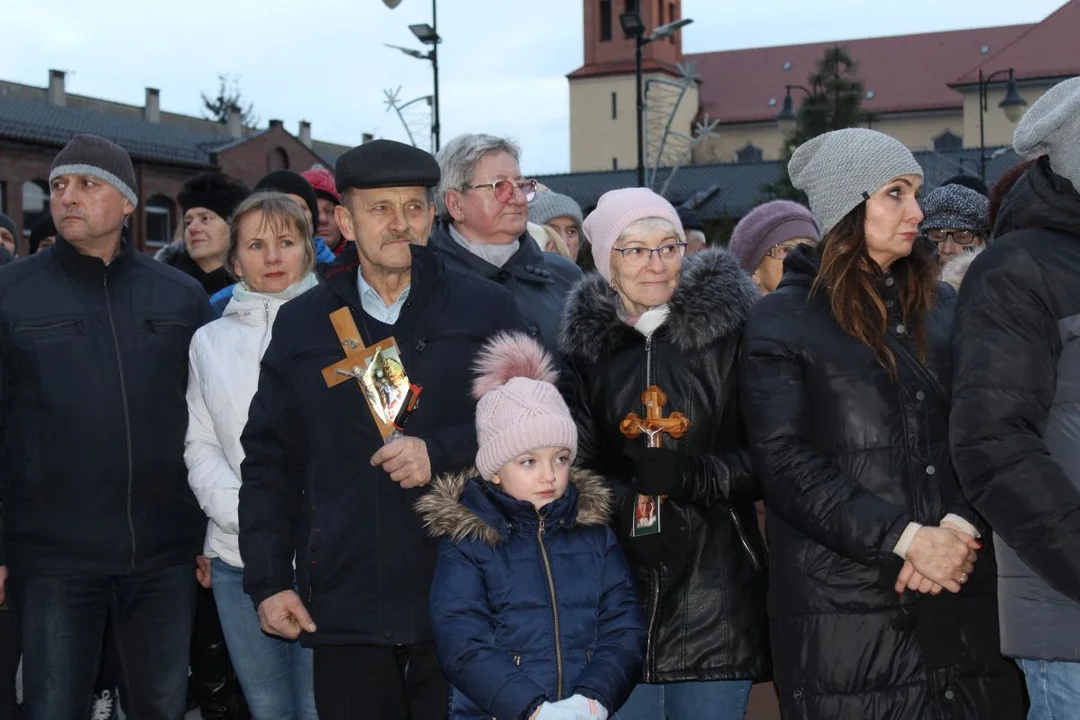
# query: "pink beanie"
519, 408
616, 210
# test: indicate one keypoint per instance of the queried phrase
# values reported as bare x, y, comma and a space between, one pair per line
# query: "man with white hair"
484, 201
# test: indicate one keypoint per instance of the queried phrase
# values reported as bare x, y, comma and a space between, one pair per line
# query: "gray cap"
547, 206
840, 169
1051, 126
955, 207
97, 157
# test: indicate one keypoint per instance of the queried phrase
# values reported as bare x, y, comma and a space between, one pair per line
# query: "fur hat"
214, 191
518, 406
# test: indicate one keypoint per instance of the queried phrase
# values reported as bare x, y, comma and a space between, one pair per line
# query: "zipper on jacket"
654, 614
648, 361
743, 538
554, 609
127, 417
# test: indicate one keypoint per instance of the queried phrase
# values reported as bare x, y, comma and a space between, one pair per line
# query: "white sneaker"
103, 706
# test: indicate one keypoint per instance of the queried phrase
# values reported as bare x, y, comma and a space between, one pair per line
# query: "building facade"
166, 149
922, 89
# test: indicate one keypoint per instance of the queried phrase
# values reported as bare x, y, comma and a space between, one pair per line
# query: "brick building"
166, 149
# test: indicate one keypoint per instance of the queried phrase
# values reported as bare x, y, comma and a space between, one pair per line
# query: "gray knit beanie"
1051, 126
547, 206
956, 207
97, 157
840, 169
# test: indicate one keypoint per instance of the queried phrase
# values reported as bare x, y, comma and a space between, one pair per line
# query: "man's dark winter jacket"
175, 255
538, 281
363, 562
849, 457
93, 375
530, 605
708, 622
1016, 413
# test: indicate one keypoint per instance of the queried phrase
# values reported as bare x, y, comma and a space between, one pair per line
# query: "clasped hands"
938, 558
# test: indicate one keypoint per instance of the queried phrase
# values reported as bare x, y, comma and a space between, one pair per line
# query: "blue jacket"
529, 605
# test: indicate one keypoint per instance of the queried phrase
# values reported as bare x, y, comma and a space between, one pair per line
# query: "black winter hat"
97, 157
44, 228
214, 191
690, 219
292, 183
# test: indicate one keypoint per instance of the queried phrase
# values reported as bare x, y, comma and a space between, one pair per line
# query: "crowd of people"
369, 444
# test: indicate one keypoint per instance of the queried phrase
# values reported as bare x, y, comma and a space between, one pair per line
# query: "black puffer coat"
708, 623
848, 458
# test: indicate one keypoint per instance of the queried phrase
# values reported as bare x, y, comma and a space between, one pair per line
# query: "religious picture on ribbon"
646, 516
385, 384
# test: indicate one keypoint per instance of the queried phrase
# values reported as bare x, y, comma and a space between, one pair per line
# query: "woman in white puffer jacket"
271, 254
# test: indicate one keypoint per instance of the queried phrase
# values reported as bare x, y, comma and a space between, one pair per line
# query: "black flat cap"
383, 164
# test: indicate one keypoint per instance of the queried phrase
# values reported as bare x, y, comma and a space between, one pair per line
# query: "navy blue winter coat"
530, 605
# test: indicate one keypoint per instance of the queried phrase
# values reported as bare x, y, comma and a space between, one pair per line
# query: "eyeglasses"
960, 237
640, 256
504, 189
781, 251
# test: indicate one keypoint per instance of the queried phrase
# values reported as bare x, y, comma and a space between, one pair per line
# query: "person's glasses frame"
963, 238
640, 256
504, 189
781, 250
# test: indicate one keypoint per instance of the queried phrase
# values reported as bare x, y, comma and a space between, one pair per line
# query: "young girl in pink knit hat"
532, 604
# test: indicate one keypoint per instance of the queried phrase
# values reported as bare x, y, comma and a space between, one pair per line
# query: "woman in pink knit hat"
532, 605
650, 317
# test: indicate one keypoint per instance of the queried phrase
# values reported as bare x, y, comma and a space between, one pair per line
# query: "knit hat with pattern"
956, 207
840, 169
519, 409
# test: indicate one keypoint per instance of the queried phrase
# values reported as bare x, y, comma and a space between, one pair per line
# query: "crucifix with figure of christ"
378, 370
653, 425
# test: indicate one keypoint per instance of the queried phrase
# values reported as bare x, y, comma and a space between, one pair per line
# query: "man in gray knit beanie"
1052, 127
841, 169
562, 214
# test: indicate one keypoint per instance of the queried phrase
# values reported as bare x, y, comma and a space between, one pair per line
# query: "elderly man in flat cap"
1015, 422
332, 471
100, 526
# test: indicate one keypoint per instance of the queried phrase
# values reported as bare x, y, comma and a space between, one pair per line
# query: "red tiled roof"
905, 73
1045, 50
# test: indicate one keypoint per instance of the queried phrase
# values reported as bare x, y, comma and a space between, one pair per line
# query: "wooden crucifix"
654, 424
389, 405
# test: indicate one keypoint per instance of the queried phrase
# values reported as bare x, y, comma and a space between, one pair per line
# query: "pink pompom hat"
519, 409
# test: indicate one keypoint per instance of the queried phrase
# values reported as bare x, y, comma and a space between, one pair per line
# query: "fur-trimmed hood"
174, 254
446, 514
712, 299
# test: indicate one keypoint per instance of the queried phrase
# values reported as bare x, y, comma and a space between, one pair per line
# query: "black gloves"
670, 548
658, 471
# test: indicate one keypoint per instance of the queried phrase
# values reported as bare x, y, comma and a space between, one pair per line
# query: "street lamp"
428, 35
787, 118
633, 27
1012, 105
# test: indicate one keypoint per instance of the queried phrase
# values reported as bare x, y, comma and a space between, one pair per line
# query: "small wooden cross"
357, 358
654, 424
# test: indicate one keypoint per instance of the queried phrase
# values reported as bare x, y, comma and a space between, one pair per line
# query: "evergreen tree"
228, 98
833, 103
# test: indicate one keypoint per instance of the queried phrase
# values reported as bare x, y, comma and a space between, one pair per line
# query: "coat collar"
711, 301
340, 277
88, 266
528, 264
464, 507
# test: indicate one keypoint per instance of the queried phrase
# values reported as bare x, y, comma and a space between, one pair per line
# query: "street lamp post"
1012, 105
428, 35
787, 118
633, 27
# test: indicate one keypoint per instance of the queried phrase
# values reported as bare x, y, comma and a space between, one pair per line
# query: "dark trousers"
63, 618
380, 683
9, 665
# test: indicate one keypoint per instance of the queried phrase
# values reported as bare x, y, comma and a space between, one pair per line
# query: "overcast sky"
503, 63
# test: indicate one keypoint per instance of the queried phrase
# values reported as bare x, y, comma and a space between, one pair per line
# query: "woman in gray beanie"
877, 606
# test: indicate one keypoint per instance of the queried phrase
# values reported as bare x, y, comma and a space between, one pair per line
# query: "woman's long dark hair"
851, 280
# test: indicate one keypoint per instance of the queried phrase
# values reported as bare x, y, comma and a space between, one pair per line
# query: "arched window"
948, 142
279, 159
750, 153
159, 220
35, 203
